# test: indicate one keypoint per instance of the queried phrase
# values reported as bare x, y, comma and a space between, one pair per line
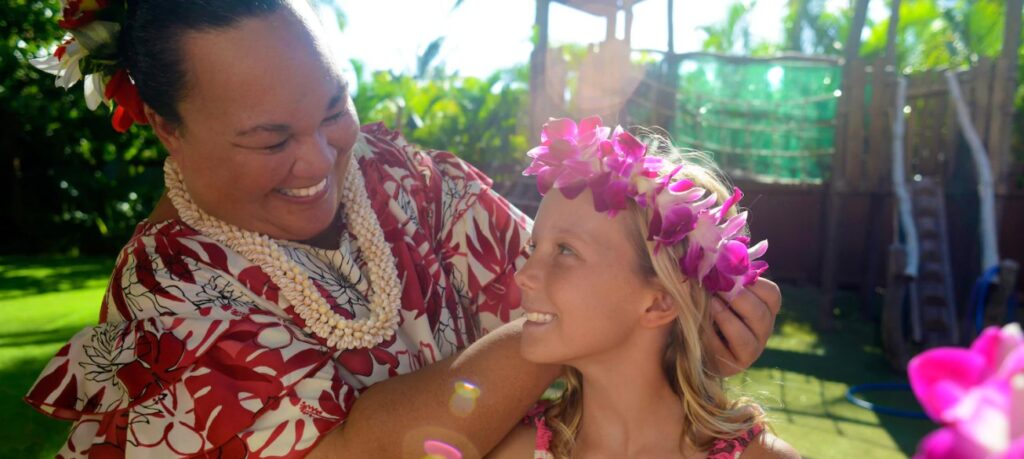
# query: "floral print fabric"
198, 354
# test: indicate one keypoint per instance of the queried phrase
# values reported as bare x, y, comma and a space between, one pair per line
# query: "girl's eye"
565, 250
530, 247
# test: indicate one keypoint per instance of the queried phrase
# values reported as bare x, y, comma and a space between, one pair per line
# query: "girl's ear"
662, 310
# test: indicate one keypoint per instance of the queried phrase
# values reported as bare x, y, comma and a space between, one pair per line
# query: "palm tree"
733, 34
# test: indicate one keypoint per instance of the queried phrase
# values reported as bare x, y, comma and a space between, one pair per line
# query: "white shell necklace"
340, 333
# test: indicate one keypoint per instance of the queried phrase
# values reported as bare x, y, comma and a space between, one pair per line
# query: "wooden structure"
607, 76
837, 233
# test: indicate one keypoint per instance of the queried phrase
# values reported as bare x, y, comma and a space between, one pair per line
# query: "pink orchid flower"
568, 155
623, 157
976, 393
615, 167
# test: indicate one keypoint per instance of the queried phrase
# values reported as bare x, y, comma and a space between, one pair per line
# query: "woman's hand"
741, 328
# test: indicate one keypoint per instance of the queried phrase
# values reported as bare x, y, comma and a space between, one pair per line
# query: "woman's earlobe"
165, 130
661, 311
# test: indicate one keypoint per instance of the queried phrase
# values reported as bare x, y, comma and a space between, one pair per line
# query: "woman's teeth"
540, 317
303, 192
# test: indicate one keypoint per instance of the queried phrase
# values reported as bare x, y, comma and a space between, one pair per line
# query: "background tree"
74, 185
71, 181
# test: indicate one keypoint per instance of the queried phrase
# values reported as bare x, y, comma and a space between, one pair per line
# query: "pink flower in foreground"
976, 393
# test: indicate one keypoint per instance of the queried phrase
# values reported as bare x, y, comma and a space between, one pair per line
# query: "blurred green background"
75, 190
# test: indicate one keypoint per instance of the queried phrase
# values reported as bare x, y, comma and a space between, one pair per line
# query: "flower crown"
614, 165
89, 48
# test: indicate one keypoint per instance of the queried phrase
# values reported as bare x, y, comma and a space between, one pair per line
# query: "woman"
297, 262
623, 260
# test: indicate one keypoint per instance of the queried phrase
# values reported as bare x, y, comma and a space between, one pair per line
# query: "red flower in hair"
77, 13
129, 108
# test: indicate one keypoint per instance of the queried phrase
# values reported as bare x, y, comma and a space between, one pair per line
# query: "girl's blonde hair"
709, 414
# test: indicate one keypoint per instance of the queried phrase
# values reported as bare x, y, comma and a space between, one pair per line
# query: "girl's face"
267, 126
581, 287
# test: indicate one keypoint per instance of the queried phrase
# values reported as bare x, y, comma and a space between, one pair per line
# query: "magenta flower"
976, 393
568, 155
622, 157
615, 167
677, 209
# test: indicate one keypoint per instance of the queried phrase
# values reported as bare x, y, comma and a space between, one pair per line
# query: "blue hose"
880, 387
979, 298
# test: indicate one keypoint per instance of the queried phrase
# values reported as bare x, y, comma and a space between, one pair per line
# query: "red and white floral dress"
194, 356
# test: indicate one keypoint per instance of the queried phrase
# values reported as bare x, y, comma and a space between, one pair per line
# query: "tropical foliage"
73, 184
70, 180
481, 120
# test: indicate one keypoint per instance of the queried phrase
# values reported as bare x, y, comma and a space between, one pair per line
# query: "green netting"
767, 120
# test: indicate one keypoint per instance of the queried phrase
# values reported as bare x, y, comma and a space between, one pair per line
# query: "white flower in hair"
88, 52
66, 61
63, 63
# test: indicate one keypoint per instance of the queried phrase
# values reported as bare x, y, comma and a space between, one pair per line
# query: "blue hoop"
880, 387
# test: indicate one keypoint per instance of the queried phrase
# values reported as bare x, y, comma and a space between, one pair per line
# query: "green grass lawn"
43, 302
801, 379
803, 376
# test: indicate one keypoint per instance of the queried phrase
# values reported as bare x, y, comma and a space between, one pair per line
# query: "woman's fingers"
743, 326
743, 342
757, 307
723, 362
768, 292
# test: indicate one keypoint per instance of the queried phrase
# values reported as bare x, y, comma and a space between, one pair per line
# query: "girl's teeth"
540, 317
303, 192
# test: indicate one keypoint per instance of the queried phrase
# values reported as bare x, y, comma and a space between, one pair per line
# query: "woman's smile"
307, 194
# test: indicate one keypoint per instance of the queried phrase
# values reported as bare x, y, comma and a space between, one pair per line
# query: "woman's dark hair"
149, 45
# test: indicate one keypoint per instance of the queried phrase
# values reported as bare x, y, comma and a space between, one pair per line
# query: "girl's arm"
394, 418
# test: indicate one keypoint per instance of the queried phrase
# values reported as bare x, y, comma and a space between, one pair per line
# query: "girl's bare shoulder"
768, 446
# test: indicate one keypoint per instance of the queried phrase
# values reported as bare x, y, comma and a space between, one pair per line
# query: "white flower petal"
93, 90
49, 64
71, 72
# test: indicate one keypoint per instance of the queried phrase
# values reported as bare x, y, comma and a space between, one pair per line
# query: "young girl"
626, 261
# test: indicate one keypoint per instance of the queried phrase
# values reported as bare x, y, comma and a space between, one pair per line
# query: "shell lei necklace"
339, 332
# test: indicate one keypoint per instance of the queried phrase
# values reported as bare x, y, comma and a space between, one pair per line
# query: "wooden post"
855, 81
892, 35
878, 180
838, 184
885, 70
981, 95
665, 104
628, 32
671, 28
1002, 96
609, 28
539, 105
797, 8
